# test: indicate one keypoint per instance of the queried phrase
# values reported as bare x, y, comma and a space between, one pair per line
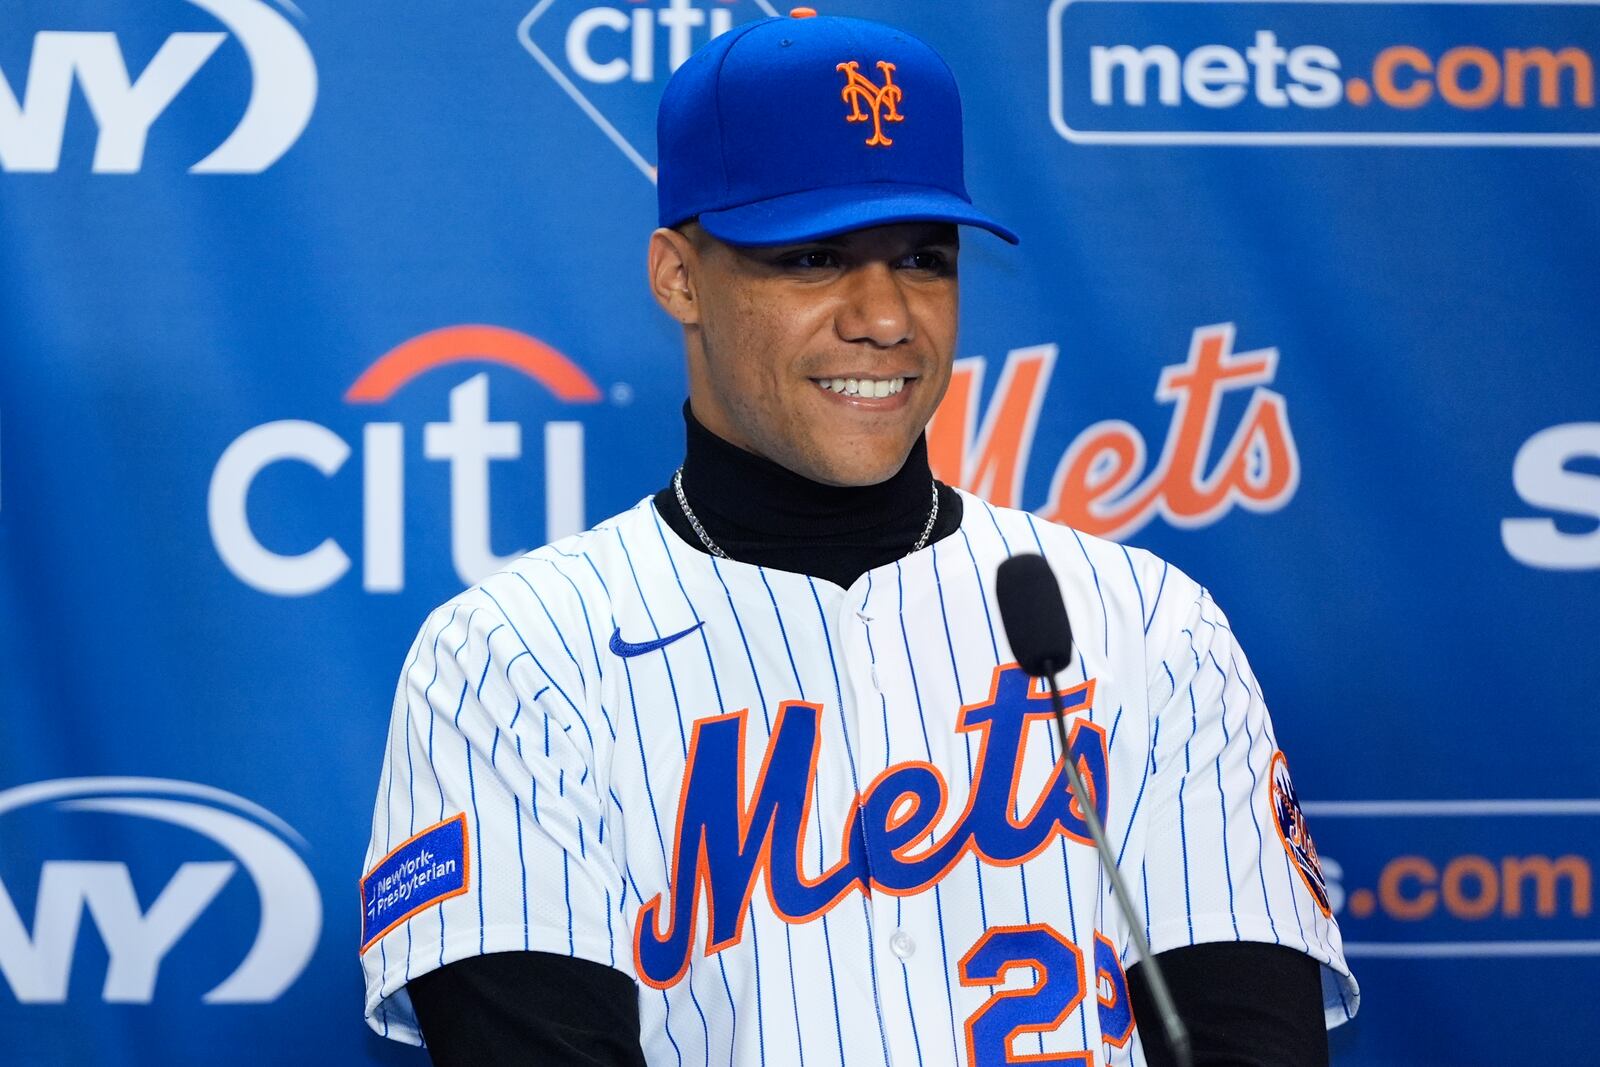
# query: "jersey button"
901, 944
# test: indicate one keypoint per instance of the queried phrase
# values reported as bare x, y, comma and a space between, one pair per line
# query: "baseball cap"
786, 130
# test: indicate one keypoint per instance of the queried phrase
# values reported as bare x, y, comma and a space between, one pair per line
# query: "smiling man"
746, 774
827, 357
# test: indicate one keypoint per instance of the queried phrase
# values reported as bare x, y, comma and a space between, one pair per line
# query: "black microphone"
1034, 615
1035, 619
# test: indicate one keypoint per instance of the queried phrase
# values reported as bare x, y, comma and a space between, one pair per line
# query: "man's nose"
875, 308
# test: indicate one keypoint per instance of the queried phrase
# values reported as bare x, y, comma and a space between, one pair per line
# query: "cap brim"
817, 213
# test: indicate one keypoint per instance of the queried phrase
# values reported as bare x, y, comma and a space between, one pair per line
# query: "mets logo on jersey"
1291, 824
730, 839
881, 100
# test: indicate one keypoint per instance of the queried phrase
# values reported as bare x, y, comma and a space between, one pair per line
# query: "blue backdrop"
310, 314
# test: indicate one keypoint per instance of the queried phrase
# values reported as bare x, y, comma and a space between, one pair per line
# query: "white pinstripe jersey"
586, 736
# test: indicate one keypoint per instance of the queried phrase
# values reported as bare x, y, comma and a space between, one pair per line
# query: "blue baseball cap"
787, 130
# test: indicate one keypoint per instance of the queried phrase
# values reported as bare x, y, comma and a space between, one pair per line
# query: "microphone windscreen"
1034, 615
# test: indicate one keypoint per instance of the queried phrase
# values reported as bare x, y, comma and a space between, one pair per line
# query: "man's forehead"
887, 237
919, 232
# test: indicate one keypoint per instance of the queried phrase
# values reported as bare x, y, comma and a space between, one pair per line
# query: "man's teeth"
863, 387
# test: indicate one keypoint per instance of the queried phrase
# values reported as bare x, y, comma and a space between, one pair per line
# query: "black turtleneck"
759, 512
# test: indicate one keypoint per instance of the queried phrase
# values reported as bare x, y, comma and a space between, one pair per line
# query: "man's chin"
854, 471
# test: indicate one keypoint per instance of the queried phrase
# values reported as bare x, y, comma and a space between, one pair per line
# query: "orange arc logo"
459, 344
882, 100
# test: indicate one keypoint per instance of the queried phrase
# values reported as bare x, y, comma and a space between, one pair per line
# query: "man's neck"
761, 513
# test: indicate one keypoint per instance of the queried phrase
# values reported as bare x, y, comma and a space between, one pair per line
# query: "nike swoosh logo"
628, 648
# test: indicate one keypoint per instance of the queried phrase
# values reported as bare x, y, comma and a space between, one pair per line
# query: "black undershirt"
1245, 1004
758, 512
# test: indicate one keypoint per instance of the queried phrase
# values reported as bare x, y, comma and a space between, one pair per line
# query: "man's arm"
1234, 900
489, 829
528, 1007
1245, 1004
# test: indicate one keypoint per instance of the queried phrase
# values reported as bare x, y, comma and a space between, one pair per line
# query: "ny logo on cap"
881, 99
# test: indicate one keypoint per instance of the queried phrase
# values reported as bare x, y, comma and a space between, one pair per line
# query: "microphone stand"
1177, 1035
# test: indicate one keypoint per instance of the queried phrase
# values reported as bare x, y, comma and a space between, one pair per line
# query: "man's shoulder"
1004, 531
1123, 578
606, 543
560, 582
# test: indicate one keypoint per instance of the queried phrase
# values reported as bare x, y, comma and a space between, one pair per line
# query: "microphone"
1034, 615
1036, 624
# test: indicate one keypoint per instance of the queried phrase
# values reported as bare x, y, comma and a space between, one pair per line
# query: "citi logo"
468, 441
603, 56
37, 964
34, 109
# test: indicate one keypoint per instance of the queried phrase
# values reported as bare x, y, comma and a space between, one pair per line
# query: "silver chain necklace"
716, 549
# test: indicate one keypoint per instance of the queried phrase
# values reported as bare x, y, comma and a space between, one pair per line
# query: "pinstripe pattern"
569, 762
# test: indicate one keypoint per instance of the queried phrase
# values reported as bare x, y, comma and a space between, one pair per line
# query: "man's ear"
673, 260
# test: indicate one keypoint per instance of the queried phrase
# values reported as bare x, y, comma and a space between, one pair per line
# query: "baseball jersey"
828, 826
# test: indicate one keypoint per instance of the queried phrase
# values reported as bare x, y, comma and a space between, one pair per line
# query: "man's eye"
933, 262
814, 260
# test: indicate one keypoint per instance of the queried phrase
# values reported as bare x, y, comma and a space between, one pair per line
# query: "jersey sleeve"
1227, 854
489, 833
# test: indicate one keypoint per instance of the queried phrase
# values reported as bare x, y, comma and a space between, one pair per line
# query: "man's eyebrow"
938, 235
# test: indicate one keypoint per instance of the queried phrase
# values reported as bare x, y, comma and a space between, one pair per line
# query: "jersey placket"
898, 929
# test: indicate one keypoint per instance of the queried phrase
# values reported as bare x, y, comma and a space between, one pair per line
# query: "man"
744, 774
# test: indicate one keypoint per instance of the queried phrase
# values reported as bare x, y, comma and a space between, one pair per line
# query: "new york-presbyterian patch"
427, 868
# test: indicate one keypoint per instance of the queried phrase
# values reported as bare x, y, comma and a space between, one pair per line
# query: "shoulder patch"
427, 868
1291, 824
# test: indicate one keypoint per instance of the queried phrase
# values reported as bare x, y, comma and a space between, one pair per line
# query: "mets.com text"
1402, 76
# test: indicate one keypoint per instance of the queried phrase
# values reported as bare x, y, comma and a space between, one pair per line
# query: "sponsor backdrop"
312, 315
